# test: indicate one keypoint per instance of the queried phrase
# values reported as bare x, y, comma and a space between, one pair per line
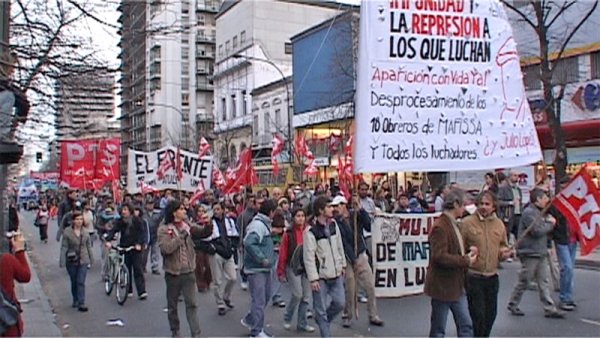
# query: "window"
595, 63
278, 118
220, 50
267, 122
200, 19
227, 47
223, 109
235, 40
242, 38
185, 53
245, 103
531, 77
565, 71
185, 99
233, 154
155, 54
233, 107
255, 125
185, 68
288, 48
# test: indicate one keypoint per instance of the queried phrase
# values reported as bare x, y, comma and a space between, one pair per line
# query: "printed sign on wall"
440, 87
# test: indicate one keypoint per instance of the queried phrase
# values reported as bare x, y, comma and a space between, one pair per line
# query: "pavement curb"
38, 317
588, 264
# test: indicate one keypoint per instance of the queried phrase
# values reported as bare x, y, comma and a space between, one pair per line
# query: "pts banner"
90, 164
401, 253
159, 169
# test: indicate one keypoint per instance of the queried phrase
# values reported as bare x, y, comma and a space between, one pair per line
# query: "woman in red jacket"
299, 285
14, 267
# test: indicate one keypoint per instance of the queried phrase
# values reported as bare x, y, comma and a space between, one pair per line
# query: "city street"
403, 317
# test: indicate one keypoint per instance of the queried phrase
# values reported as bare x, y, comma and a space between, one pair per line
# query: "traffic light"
38, 157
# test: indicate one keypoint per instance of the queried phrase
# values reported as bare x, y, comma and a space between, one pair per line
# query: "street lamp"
287, 92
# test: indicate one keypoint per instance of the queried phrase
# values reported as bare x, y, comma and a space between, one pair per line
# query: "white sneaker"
509, 260
287, 325
244, 324
307, 328
263, 334
244, 286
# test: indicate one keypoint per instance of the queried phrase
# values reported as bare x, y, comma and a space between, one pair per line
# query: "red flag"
334, 142
217, 178
278, 145
117, 196
349, 145
200, 190
579, 202
178, 165
165, 165
204, 148
275, 166
311, 169
146, 188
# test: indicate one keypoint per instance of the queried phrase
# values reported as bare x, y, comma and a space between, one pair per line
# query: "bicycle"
116, 272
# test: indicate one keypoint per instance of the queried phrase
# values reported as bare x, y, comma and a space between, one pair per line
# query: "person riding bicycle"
132, 233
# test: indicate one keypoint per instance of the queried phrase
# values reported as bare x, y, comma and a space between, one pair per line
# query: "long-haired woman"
298, 284
76, 255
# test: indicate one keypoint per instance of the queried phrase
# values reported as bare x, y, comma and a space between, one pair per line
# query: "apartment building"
253, 50
85, 104
168, 51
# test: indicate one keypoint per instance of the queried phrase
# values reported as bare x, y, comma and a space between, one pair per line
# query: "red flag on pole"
579, 202
165, 165
311, 169
278, 145
147, 188
217, 178
200, 190
204, 148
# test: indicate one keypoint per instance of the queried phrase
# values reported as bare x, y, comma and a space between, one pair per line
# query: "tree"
46, 45
554, 35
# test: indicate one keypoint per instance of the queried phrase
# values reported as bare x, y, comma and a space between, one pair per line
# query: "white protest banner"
440, 88
400, 253
143, 167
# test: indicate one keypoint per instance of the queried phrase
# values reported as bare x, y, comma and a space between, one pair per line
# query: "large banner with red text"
400, 250
90, 164
440, 88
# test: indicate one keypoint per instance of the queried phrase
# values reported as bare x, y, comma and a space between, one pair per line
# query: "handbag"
72, 255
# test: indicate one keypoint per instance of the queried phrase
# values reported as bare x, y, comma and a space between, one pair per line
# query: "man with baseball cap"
351, 222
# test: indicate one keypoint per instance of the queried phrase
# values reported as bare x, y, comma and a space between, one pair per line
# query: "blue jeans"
77, 274
260, 293
566, 260
275, 284
460, 312
300, 290
335, 289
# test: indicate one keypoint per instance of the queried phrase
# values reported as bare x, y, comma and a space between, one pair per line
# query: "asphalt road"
403, 317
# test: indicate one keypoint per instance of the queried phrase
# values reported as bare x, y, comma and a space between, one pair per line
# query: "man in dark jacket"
510, 202
447, 270
532, 250
252, 206
358, 268
153, 216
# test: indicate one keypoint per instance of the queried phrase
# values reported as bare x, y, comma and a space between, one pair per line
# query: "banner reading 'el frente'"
400, 247
440, 87
144, 167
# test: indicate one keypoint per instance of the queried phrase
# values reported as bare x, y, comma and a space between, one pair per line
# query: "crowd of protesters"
318, 243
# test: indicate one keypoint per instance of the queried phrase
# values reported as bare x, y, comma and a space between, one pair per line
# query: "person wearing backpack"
291, 245
13, 267
325, 263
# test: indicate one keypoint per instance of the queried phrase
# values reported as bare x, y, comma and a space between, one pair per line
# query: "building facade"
168, 51
85, 104
251, 53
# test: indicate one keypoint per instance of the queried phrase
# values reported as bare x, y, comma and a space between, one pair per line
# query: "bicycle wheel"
122, 285
107, 277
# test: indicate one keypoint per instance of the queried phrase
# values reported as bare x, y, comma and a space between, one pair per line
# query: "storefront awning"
577, 134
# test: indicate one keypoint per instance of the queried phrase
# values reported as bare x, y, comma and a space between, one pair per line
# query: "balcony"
206, 38
235, 123
204, 117
210, 55
204, 86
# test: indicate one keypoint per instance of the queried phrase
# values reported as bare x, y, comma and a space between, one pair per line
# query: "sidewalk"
38, 317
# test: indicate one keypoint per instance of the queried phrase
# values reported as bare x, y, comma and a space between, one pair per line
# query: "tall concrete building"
253, 50
167, 57
85, 104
